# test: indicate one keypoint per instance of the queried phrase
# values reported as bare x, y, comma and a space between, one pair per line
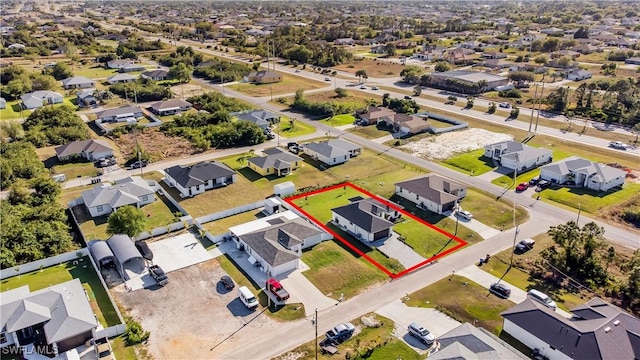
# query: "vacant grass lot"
590, 201
339, 120
369, 132
374, 68
12, 111
82, 270
287, 312
381, 340
222, 226
355, 98
463, 300
74, 170
472, 163
495, 213
288, 129
517, 276
288, 85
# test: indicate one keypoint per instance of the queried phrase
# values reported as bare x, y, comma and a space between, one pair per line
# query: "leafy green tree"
411, 74
341, 93
180, 72
442, 66
636, 130
127, 220
492, 108
360, 74
43, 82
515, 112
18, 160
15, 88
54, 125
60, 71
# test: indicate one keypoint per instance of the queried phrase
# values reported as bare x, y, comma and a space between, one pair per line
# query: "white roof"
262, 223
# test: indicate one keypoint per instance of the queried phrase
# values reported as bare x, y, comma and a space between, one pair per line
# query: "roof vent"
616, 323
607, 329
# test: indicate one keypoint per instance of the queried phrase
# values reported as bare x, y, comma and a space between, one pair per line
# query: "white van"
247, 297
542, 298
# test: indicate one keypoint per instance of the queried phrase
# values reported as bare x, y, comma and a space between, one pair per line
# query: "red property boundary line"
460, 242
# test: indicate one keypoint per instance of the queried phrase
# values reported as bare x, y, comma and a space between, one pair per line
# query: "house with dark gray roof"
87, 97
583, 173
366, 219
104, 198
512, 154
597, 330
467, 342
91, 150
198, 178
52, 320
121, 78
276, 242
122, 114
156, 75
275, 162
170, 107
332, 152
432, 192
263, 118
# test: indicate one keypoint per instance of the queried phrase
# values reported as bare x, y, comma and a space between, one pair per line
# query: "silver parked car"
421, 333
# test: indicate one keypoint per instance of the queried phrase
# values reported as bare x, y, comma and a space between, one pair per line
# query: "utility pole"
222, 81
457, 215
515, 225
532, 109
539, 106
578, 219
316, 323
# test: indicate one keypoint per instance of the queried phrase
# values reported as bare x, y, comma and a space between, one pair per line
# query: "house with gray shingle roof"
366, 219
467, 342
583, 173
121, 78
198, 178
597, 330
432, 192
510, 152
332, 152
36, 99
77, 82
170, 107
156, 75
275, 162
263, 118
104, 199
276, 242
122, 114
58, 317
91, 150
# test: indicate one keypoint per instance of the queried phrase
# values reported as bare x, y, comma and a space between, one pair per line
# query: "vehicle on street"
407, 97
293, 143
144, 250
522, 186
505, 105
327, 79
421, 333
158, 275
103, 349
341, 332
374, 88
276, 289
363, 87
464, 214
542, 298
534, 181
297, 70
500, 290
524, 246
227, 282
248, 299
618, 145
138, 164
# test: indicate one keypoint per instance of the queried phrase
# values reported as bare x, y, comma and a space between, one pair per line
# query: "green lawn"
320, 205
589, 201
222, 226
516, 276
380, 341
336, 270
287, 312
471, 163
74, 170
93, 71
12, 111
121, 350
369, 132
83, 270
288, 130
288, 85
463, 300
339, 120
495, 213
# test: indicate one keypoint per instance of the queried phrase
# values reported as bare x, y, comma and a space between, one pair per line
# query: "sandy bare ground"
444, 146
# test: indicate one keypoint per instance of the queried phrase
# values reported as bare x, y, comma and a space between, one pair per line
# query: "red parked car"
522, 186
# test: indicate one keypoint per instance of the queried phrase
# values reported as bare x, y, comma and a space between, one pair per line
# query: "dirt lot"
374, 68
155, 142
193, 317
444, 146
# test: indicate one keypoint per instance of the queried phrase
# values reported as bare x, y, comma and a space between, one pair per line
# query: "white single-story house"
332, 152
125, 113
119, 63
577, 75
104, 199
276, 242
367, 220
170, 107
121, 78
77, 82
40, 98
198, 178
156, 75
597, 330
584, 173
510, 152
432, 192
91, 150
52, 320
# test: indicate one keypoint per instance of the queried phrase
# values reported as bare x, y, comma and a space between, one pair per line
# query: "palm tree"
636, 130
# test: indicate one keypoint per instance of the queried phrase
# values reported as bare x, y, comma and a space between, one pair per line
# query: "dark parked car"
534, 181
524, 246
407, 97
500, 290
159, 275
291, 144
227, 282
542, 184
144, 249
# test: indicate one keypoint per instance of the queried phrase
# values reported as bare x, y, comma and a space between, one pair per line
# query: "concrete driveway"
436, 322
483, 230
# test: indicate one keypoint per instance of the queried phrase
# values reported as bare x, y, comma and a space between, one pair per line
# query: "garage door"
381, 234
447, 207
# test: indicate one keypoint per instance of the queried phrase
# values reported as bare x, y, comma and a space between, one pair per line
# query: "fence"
111, 331
457, 124
230, 212
44, 263
185, 221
